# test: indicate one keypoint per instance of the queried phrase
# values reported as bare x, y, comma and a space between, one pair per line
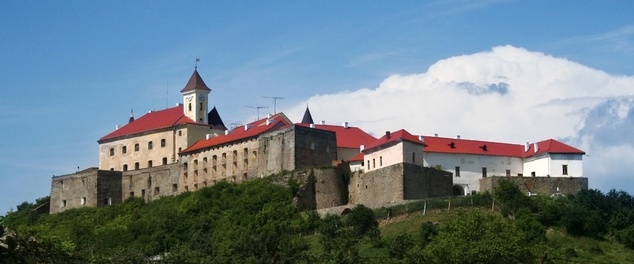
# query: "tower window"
190, 107
150, 145
201, 106
162, 143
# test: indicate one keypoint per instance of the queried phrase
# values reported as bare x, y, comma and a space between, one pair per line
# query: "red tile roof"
477, 147
239, 133
347, 137
358, 157
151, 121
394, 137
552, 146
195, 83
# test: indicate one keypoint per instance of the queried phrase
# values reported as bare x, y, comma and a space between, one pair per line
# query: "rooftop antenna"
167, 94
257, 108
196, 64
275, 98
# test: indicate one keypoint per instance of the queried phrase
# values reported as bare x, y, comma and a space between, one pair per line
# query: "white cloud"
507, 94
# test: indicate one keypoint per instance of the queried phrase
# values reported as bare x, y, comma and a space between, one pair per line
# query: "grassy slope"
571, 249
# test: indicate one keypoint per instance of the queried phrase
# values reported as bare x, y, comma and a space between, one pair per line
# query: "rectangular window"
457, 171
136, 147
380, 161
564, 169
533, 173
484, 172
149, 164
414, 157
124, 149
83, 201
162, 143
136, 165
150, 145
111, 151
107, 201
125, 167
368, 164
156, 191
373, 163
143, 193
164, 161
508, 173
174, 188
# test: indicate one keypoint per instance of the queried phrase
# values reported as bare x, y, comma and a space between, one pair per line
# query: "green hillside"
256, 222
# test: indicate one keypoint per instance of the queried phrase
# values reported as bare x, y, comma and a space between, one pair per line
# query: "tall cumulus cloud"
508, 94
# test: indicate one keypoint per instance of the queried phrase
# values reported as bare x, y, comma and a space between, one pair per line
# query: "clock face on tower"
201, 97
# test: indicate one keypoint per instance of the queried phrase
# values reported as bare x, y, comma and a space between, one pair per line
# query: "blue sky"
70, 71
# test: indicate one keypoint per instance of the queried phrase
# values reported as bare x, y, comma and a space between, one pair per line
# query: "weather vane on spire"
196, 64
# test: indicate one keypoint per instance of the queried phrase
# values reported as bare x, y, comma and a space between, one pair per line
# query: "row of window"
564, 171
381, 161
83, 201
150, 145
137, 165
157, 191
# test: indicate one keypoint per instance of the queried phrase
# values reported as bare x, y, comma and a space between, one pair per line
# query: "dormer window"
452, 145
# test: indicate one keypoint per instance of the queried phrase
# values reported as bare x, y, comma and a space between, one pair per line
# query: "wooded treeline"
256, 222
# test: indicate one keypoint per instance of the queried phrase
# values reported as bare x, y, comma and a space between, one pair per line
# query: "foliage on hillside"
256, 222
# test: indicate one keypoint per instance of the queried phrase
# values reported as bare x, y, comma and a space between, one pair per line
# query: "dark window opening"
150, 145
136, 165
163, 143
457, 171
164, 161
149, 164
508, 173
484, 172
125, 167
124, 149
136, 147
564, 169
111, 151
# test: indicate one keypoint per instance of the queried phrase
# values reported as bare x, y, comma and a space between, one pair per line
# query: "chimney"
361, 148
208, 136
323, 122
535, 147
457, 136
345, 124
226, 132
312, 125
435, 134
421, 138
268, 121
246, 127
387, 134
526, 147
116, 127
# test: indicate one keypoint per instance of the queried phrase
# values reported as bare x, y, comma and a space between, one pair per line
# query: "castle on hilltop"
187, 147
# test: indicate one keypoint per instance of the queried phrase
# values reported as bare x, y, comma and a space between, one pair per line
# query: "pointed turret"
195, 83
131, 116
308, 118
215, 122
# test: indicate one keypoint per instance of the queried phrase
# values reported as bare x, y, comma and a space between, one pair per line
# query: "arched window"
190, 106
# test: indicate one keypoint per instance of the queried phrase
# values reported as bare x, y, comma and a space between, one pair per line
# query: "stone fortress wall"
90, 187
539, 185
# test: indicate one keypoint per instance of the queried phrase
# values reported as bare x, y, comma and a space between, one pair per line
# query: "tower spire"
308, 118
131, 116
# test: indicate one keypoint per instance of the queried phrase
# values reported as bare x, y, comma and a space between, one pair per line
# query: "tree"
479, 237
512, 198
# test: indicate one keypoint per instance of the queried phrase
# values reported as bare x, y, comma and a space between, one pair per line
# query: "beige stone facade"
88, 188
149, 149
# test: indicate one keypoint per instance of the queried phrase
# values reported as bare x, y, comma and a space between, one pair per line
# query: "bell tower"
195, 98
